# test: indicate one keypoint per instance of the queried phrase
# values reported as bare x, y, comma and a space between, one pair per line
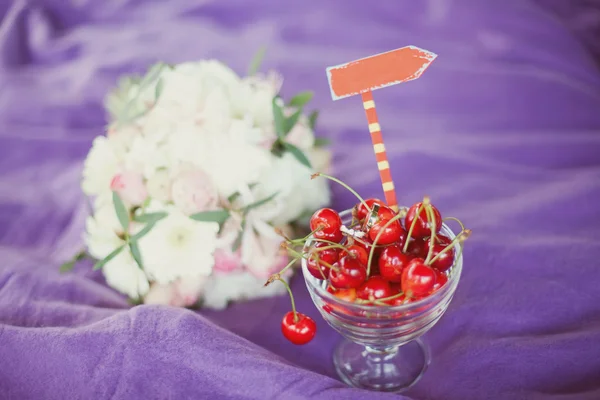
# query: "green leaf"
301, 99
259, 202
280, 122
296, 152
312, 119
109, 257
257, 61
219, 216
238, 240
158, 89
322, 142
291, 121
150, 217
121, 211
143, 232
68, 266
135, 252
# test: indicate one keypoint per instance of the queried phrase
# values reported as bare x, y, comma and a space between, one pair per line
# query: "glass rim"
447, 290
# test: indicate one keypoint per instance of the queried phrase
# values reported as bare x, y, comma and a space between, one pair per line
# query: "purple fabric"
502, 131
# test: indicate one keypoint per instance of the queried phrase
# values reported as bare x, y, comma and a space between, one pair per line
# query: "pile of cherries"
383, 258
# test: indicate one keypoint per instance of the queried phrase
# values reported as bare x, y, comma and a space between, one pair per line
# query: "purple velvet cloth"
502, 131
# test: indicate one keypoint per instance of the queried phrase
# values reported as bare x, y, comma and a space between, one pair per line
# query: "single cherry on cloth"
376, 287
422, 226
319, 269
358, 252
361, 212
298, 331
348, 273
418, 279
445, 260
392, 262
329, 223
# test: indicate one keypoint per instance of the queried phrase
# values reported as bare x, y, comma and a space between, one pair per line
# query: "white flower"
135, 95
254, 97
297, 192
103, 228
184, 292
178, 246
123, 274
221, 288
100, 166
193, 191
159, 186
230, 163
191, 88
301, 135
101, 238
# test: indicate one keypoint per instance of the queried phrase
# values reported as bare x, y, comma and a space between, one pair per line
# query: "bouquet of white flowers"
198, 168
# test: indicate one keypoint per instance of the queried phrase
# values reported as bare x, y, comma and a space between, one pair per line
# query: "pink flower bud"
130, 187
192, 191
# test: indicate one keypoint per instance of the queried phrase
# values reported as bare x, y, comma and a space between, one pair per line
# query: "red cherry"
374, 288
344, 294
360, 212
416, 248
298, 332
392, 233
441, 239
440, 280
391, 263
443, 262
422, 227
330, 222
358, 252
418, 278
328, 256
396, 301
350, 273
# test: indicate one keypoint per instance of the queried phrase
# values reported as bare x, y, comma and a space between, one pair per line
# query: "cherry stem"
380, 302
332, 246
461, 237
431, 220
412, 227
462, 227
291, 298
318, 259
392, 220
344, 185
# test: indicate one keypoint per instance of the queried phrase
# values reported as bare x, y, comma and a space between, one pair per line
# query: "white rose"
100, 166
193, 191
178, 246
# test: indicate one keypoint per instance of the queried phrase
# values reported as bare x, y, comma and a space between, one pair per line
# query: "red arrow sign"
380, 70
374, 72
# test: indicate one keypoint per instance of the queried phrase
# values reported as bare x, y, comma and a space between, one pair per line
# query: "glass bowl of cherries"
381, 278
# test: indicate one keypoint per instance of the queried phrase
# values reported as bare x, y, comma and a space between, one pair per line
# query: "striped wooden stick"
379, 148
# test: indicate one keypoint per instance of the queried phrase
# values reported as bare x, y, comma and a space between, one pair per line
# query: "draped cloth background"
503, 131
